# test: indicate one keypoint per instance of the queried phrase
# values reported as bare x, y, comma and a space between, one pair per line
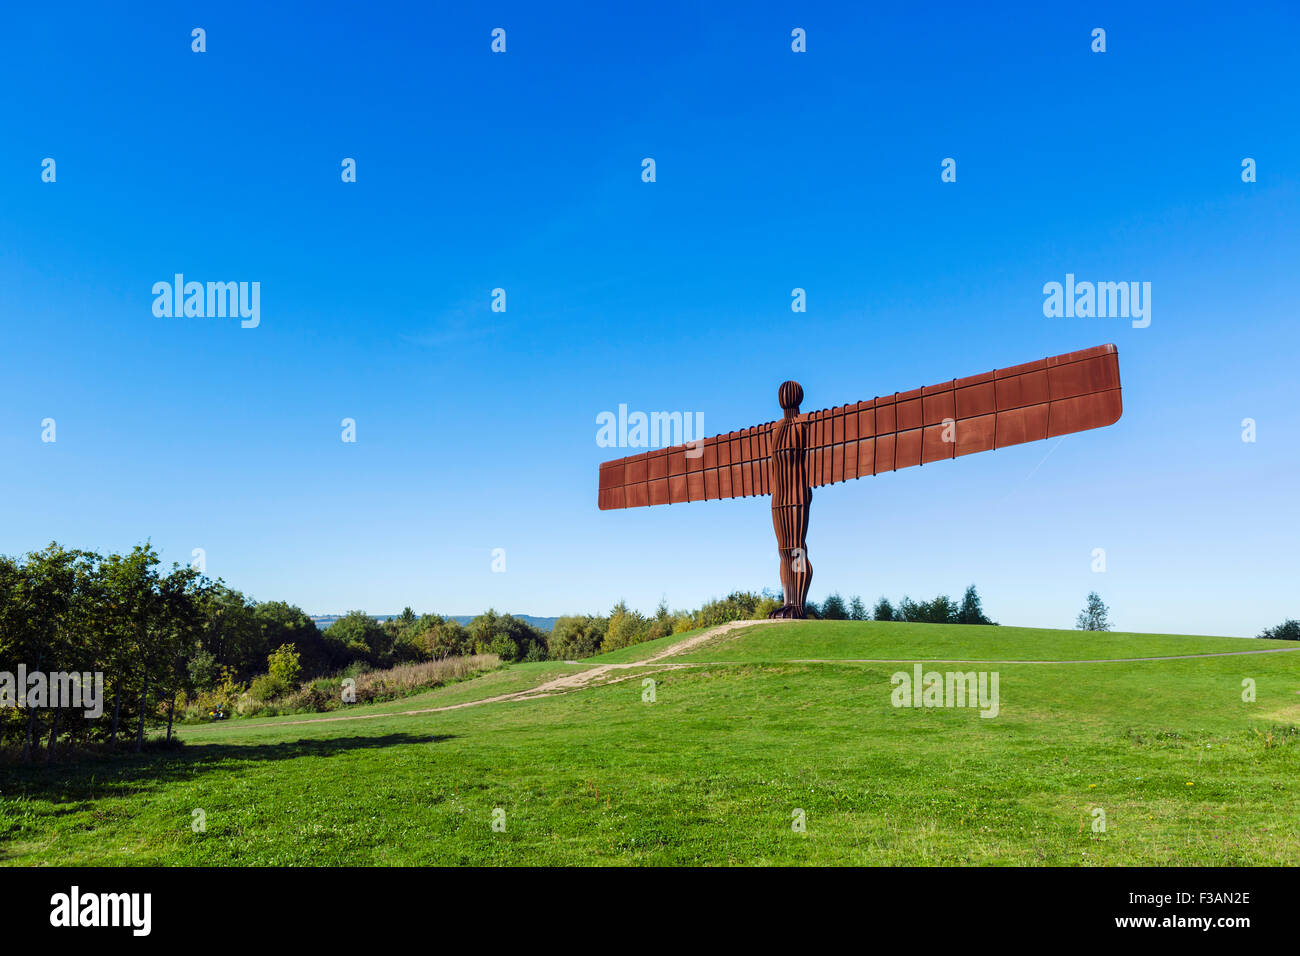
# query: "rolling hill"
751, 731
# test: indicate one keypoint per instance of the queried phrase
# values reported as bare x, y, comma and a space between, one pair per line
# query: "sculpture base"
788, 612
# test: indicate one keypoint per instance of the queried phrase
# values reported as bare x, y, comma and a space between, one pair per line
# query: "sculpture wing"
1052, 396
734, 465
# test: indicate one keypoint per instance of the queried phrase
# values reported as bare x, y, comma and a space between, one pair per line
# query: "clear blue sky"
775, 170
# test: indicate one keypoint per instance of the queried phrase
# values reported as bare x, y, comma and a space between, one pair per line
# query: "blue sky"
775, 170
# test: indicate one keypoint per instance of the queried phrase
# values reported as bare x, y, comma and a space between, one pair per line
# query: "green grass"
512, 679
639, 652
711, 772
832, 640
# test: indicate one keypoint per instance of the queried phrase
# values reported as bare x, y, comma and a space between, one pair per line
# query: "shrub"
575, 637
267, 687
487, 631
282, 664
625, 628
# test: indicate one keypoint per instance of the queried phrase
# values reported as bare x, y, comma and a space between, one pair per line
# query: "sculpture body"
791, 499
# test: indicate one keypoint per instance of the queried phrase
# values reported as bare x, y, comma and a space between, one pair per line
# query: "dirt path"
560, 685
598, 674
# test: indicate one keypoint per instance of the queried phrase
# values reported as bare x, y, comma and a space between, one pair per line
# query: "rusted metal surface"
788, 458
791, 499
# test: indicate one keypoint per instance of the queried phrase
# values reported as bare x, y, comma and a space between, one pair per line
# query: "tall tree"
971, 611
178, 624
833, 608
47, 590
1094, 616
131, 583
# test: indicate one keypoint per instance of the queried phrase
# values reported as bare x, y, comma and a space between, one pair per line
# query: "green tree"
857, 610
575, 637
509, 637
49, 623
833, 608
364, 638
204, 671
131, 590
884, 611
1094, 616
736, 606
443, 638
283, 666
1288, 630
971, 610
277, 623
179, 622
230, 631
624, 628
661, 625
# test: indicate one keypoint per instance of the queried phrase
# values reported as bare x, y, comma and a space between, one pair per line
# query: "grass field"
713, 771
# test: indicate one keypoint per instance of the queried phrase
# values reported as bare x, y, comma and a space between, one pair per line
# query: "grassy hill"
745, 730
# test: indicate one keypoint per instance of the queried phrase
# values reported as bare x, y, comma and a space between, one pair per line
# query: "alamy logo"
102, 909
951, 689
655, 430
1104, 300
37, 689
213, 300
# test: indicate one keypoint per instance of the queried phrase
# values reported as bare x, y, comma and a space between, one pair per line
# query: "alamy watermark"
75, 908
951, 689
654, 430
38, 690
1102, 300
212, 300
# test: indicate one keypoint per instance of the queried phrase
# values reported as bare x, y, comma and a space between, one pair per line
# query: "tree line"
939, 610
170, 642
163, 639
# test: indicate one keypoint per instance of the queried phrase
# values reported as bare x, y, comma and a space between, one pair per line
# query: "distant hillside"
541, 623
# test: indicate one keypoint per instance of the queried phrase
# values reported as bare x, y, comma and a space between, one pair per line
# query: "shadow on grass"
125, 775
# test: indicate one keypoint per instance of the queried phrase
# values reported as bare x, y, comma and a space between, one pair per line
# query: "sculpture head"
790, 395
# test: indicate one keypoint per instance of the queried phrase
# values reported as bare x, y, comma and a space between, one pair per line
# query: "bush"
203, 671
267, 687
736, 606
576, 637
625, 628
661, 625
326, 693
444, 638
489, 632
282, 664
362, 636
